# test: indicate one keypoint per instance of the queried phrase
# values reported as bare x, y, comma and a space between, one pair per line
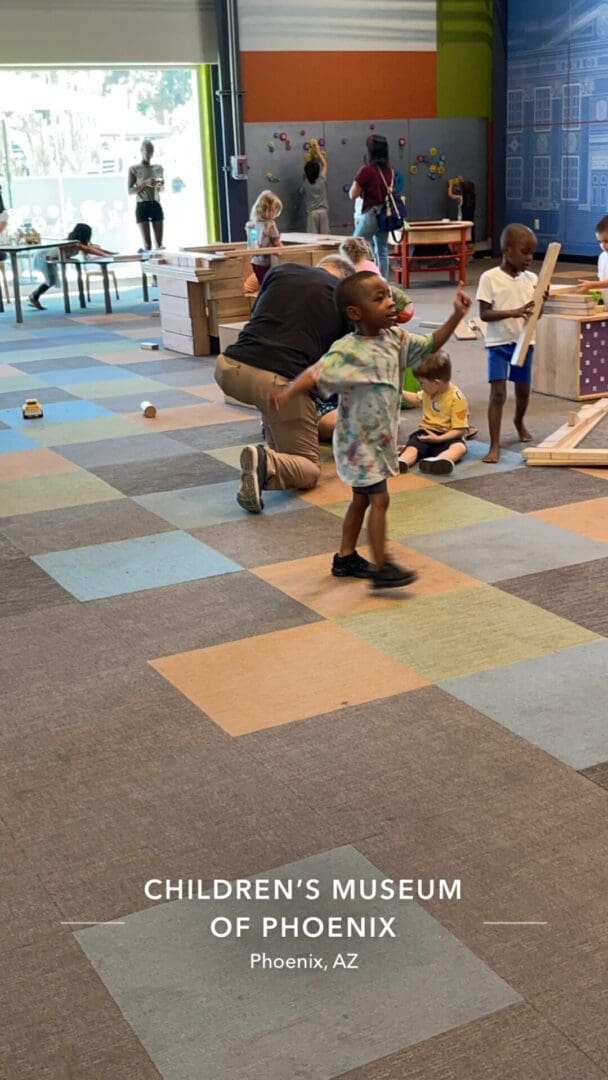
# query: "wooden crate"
571, 357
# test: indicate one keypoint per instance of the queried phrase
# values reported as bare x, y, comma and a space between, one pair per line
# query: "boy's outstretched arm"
410, 398
462, 303
302, 385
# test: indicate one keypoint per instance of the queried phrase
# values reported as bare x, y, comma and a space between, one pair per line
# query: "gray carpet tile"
119, 451
575, 592
27, 588
524, 490
554, 701
151, 789
165, 474
393, 759
59, 1022
406, 990
598, 773
60, 642
512, 1044
27, 913
597, 437
198, 614
59, 363
8, 550
80, 526
528, 852
579, 1009
271, 539
163, 398
217, 436
48, 395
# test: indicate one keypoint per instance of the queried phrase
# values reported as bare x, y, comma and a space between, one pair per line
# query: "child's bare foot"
523, 433
492, 457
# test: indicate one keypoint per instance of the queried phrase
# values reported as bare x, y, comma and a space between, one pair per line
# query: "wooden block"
172, 286
544, 280
148, 345
179, 343
556, 364
197, 300
226, 310
228, 333
464, 332
226, 287
174, 305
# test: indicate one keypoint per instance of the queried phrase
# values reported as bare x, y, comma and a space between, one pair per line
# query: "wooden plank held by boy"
544, 280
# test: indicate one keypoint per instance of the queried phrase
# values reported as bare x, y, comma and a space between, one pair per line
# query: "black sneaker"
35, 302
351, 566
403, 466
391, 576
253, 477
438, 466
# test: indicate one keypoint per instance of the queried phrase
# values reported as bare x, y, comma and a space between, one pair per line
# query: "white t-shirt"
602, 266
504, 293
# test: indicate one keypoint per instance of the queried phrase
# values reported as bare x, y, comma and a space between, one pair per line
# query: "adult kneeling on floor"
294, 322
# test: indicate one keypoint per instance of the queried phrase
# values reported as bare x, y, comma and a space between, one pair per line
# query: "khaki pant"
317, 221
292, 453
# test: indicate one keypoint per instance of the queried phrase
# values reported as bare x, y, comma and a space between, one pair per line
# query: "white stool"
89, 273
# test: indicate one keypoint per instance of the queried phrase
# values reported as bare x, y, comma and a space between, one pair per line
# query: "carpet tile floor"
188, 693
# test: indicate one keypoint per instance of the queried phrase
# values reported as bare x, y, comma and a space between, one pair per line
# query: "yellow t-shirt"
444, 411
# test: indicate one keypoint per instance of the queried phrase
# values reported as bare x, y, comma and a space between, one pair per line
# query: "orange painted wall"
338, 85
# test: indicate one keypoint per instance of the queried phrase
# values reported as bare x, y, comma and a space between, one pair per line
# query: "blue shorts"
500, 368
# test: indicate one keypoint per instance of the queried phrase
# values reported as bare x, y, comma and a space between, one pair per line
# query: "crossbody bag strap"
389, 189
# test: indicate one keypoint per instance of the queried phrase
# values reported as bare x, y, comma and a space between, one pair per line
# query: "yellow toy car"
32, 409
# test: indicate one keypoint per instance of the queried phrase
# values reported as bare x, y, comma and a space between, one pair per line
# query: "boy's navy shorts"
500, 368
432, 449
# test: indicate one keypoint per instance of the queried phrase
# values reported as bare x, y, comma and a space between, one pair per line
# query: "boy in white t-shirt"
506, 301
601, 233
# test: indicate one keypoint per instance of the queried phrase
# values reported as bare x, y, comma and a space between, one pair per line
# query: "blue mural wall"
557, 120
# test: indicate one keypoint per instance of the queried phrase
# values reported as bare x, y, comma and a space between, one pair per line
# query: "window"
71, 136
570, 177
515, 110
571, 104
542, 108
541, 182
515, 173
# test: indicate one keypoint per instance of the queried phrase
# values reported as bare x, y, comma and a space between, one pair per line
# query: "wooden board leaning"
544, 280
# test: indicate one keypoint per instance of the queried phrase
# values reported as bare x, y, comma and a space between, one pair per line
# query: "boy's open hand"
584, 286
525, 311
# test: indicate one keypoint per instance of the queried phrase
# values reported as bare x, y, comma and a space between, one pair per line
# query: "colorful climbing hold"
283, 136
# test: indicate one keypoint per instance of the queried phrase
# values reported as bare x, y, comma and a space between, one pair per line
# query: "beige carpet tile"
588, 517
284, 689
188, 416
22, 463
310, 581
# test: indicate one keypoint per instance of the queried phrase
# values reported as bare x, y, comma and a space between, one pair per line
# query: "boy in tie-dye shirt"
366, 369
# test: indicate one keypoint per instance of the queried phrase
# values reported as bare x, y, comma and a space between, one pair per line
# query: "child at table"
46, 262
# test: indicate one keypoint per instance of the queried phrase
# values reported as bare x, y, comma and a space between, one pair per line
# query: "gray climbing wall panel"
277, 163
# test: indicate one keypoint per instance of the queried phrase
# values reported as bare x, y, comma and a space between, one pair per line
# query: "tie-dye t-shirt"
367, 373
